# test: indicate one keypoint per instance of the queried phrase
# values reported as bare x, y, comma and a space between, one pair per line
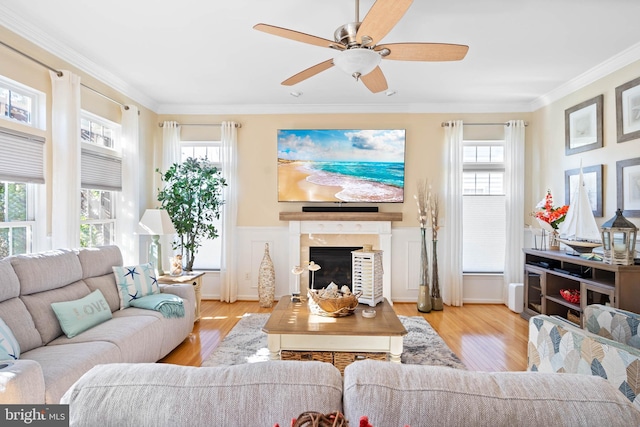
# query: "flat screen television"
338, 165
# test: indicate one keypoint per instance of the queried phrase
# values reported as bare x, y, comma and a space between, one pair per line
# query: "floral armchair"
608, 346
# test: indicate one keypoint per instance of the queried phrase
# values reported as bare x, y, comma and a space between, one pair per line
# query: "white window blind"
21, 157
100, 170
484, 234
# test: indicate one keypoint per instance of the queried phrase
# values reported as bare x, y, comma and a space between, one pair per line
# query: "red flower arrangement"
548, 214
317, 419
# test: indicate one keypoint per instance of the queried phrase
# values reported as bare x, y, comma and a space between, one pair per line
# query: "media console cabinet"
547, 272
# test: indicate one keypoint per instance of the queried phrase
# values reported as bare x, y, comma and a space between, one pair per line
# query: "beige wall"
257, 153
546, 159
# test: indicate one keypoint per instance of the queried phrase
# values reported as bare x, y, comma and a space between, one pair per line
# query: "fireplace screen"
335, 265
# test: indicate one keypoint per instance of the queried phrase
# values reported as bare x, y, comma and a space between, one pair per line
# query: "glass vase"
436, 298
424, 296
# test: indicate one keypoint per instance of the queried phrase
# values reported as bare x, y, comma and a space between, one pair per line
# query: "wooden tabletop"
183, 278
295, 318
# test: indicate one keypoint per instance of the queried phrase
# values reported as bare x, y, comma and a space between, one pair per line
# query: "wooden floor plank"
485, 337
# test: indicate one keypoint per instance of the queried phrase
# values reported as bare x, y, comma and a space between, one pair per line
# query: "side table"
195, 277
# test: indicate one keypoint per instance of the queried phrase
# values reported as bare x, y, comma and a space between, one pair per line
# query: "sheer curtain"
452, 227
128, 214
228, 263
514, 190
170, 145
171, 154
65, 138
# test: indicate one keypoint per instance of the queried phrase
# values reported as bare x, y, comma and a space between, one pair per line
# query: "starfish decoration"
131, 271
134, 296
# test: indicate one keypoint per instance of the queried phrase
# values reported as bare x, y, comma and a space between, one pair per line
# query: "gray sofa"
266, 393
50, 362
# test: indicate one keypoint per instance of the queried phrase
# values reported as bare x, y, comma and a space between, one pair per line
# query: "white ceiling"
198, 56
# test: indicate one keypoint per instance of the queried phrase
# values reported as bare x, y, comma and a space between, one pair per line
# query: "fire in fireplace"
335, 265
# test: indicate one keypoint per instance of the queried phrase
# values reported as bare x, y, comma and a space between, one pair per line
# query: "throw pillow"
9, 347
135, 282
79, 315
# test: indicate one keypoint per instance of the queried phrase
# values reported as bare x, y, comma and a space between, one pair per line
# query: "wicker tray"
333, 307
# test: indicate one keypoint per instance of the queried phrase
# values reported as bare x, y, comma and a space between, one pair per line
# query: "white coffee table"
292, 326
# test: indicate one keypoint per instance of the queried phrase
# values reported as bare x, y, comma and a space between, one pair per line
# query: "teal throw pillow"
9, 347
135, 282
79, 315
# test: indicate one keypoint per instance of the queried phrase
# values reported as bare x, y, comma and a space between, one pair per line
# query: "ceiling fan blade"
375, 81
424, 51
309, 72
298, 36
381, 18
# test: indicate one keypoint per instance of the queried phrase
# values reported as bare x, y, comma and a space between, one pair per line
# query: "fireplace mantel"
378, 223
340, 216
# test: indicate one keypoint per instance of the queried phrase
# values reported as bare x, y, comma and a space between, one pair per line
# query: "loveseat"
607, 346
389, 394
50, 362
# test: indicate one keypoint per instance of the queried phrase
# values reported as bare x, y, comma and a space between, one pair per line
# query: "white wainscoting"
405, 267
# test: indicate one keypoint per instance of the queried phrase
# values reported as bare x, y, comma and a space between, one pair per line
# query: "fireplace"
335, 263
340, 229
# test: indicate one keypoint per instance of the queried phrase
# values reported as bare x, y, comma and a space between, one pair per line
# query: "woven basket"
573, 318
333, 307
341, 359
319, 356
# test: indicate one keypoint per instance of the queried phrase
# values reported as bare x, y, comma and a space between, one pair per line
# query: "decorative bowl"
332, 307
571, 295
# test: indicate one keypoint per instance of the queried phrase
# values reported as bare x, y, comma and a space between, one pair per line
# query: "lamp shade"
156, 222
357, 61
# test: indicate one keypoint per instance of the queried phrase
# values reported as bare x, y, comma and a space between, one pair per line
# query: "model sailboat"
579, 229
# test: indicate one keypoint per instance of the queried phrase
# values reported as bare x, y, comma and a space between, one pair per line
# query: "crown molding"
29, 32
615, 63
459, 108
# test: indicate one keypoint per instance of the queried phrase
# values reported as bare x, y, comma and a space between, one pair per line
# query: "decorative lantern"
619, 240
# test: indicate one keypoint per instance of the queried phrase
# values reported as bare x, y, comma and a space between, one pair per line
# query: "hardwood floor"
485, 337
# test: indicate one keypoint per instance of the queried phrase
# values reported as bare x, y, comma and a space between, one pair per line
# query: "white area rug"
246, 343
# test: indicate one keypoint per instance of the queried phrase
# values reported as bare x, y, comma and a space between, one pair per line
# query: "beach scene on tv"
341, 165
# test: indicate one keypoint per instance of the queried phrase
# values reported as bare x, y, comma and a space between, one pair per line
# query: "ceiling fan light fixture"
357, 61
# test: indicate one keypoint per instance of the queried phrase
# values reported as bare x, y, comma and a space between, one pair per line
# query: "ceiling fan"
359, 53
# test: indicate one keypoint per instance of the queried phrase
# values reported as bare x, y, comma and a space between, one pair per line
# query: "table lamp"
156, 222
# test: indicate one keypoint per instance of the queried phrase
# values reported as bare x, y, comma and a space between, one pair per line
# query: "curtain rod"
238, 125
446, 124
59, 73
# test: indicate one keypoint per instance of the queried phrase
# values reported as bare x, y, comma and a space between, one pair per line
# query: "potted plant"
192, 196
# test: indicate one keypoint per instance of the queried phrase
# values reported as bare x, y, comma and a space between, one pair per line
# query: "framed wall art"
628, 110
628, 185
592, 177
583, 126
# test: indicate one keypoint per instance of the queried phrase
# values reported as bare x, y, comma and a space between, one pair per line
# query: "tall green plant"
192, 196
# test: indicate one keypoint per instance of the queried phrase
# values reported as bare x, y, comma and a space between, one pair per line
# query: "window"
484, 212
21, 169
101, 179
97, 218
16, 218
21, 103
94, 132
210, 253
